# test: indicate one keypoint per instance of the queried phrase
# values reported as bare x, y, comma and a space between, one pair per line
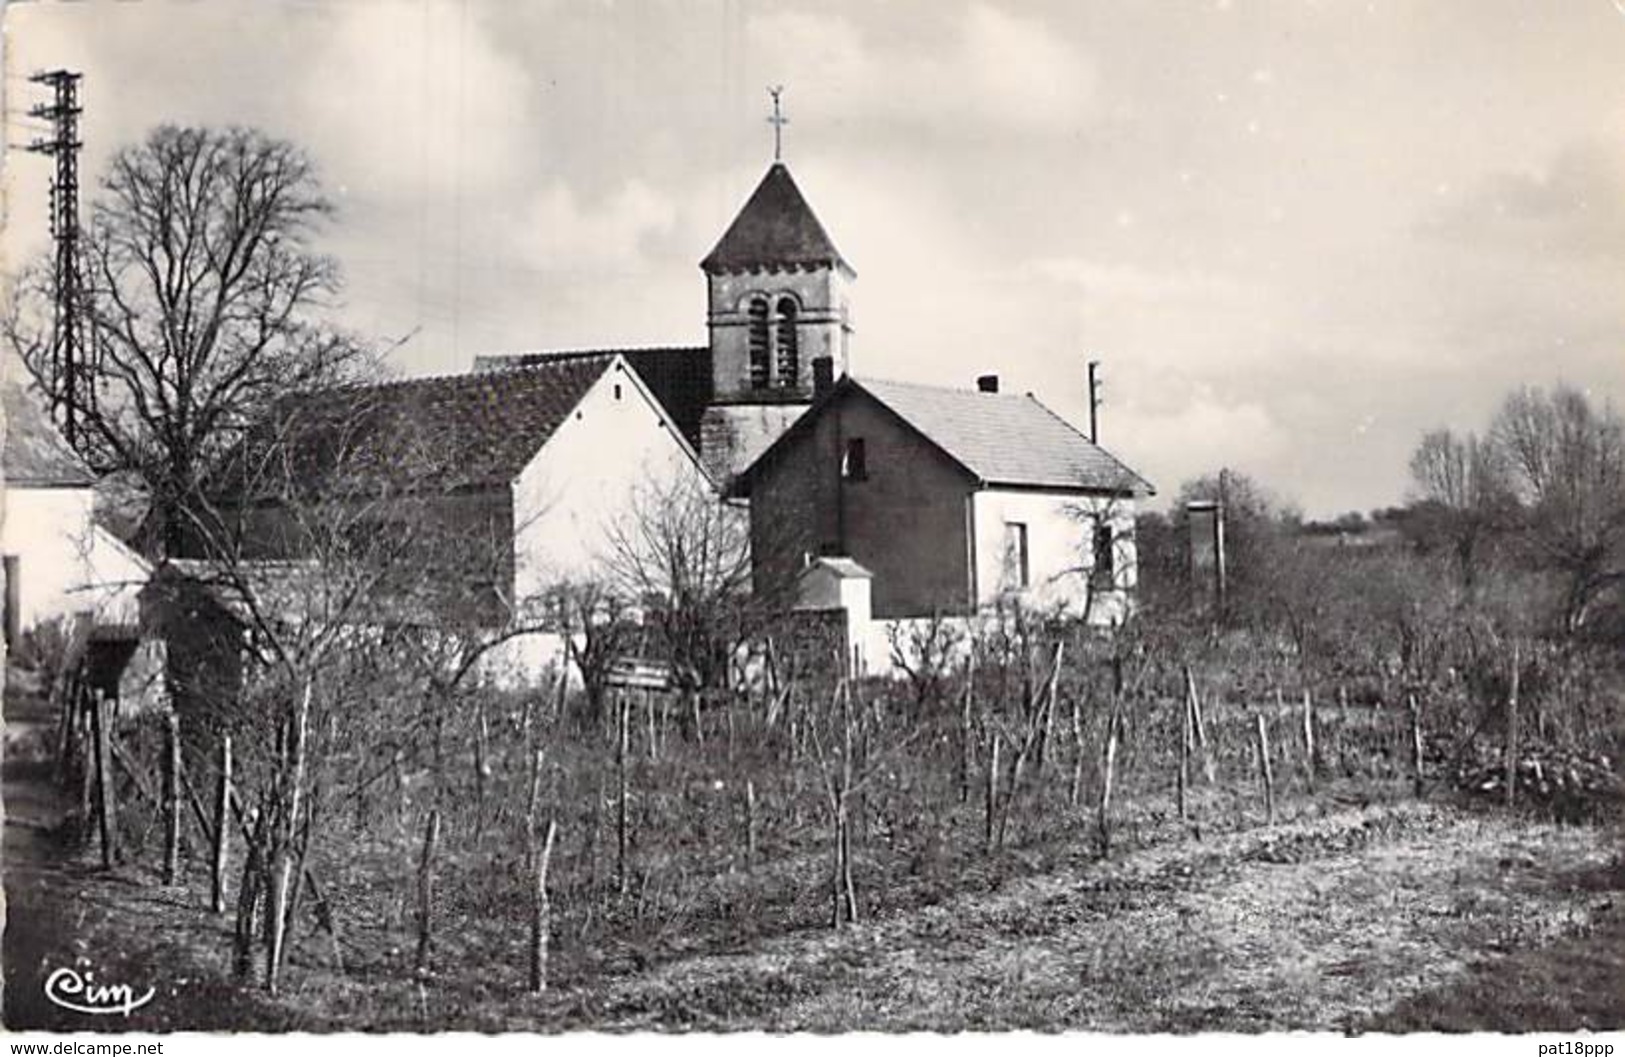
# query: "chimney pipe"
823, 375
987, 383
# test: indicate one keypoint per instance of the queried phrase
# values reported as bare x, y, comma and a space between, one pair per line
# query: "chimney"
823, 375
987, 383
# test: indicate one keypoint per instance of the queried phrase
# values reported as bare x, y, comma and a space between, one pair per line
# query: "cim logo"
66, 988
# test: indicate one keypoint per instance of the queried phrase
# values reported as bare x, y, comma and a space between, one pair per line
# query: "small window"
617, 391
855, 460
1017, 567
1103, 569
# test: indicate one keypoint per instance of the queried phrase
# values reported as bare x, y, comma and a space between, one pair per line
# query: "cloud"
561, 232
991, 69
1575, 208
411, 103
1109, 279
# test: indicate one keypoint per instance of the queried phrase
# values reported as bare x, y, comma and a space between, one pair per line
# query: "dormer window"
787, 356
760, 343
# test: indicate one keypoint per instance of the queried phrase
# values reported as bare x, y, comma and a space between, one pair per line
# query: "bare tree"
1568, 468
203, 303
685, 554
1462, 483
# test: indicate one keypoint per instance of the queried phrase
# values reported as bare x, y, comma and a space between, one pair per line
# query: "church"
938, 500
879, 501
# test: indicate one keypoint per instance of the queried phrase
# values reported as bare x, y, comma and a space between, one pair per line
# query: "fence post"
431, 835
1512, 729
1309, 736
1184, 761
107, 810
750, 823
222, 827
541, 912
622, 748
1104, 820
1265, 769
966, 701
992, 798
172, 803
1416, 744
1193, 701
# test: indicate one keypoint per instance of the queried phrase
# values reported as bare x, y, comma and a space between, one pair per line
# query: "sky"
1296, 234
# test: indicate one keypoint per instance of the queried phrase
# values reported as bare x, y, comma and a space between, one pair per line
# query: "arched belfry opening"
761, 342
786, 349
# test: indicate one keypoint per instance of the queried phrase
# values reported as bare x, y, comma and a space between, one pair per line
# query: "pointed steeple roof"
776, 228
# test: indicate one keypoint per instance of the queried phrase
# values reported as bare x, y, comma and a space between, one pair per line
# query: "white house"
510, 483
58, 562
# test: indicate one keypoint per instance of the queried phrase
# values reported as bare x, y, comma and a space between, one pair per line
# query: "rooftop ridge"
458, 377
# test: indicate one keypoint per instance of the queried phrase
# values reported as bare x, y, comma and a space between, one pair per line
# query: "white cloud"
560, 232
992, 69
406, 102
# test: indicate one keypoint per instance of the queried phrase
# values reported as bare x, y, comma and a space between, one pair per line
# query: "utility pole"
70, 376
1094, 401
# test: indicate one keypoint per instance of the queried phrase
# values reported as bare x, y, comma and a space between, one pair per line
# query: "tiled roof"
35, 453
455, 433
776, 227
1002, 440
1006, 439
679, 376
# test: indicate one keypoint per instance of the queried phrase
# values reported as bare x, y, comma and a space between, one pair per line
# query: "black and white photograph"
763, 518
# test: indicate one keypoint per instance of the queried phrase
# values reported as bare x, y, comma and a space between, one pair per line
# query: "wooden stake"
482, 759
1416, 744
750, 823
431, 836
649, 708
1194, 702
992, 797
541, 913
1512, 730
1104, 820
172, 803
965, 707
1266, 770
85, 705
107, 809
1309, 736
622, 747
283, 854
1076, 792
222, 828
1184, 762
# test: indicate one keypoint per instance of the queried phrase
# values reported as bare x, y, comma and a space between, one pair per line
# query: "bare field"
1332, 922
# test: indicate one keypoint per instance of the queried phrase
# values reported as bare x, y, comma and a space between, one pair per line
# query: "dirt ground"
1397, 917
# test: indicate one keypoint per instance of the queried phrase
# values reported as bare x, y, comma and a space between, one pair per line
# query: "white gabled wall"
586, 477
48, 530
1059, 545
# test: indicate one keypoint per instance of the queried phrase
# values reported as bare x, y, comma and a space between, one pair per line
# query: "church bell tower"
778, 296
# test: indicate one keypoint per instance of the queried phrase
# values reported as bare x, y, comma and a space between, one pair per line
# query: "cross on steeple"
778, 121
